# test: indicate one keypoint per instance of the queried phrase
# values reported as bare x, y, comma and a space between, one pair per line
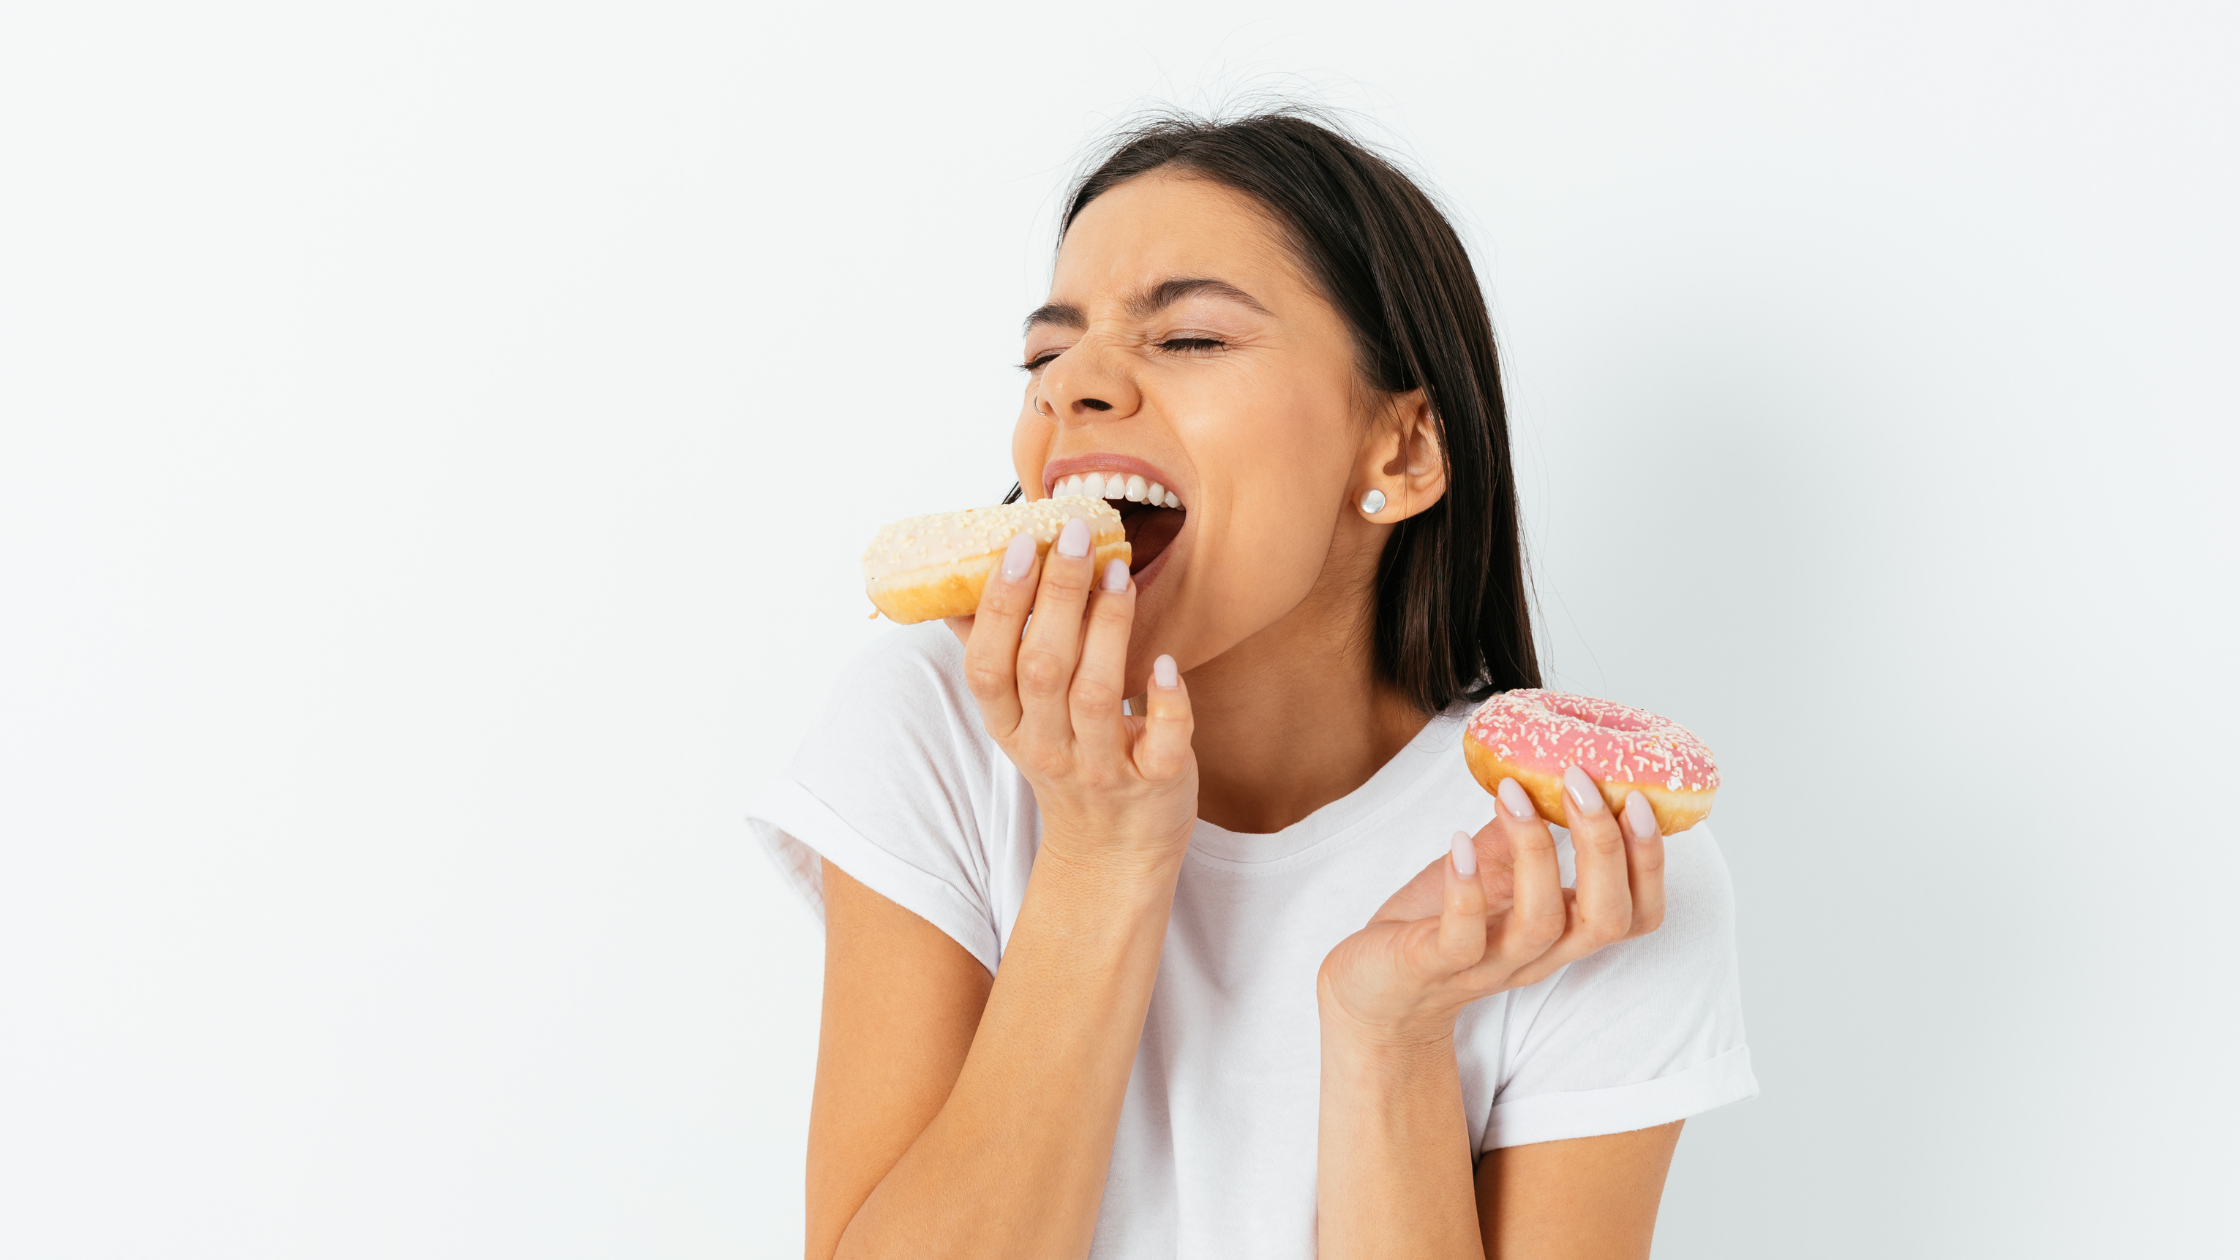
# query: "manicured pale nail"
1116, 576
1465, 854
1514, 800
1073, 540
1018, 557
1166, 675
1640, 819
1584, 793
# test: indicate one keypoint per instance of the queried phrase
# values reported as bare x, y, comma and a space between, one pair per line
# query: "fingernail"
1164, 673
1116, 576
1073, 540
1465, 854
1514, 800
1640, 819
1018, 557
1584, 793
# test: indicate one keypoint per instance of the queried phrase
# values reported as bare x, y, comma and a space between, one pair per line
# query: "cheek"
1285, 462
1276, 430
1275, 551
1286, 449
1259, 562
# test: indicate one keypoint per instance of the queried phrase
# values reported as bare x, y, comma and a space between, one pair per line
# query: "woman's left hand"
1494, 915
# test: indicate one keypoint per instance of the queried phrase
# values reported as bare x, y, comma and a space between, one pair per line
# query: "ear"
1403, 468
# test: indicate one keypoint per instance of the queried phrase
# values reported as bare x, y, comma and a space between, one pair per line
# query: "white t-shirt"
901, 787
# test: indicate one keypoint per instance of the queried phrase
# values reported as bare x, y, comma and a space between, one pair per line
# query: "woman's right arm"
961, 1115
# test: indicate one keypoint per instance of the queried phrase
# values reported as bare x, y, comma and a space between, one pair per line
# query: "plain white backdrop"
436, 441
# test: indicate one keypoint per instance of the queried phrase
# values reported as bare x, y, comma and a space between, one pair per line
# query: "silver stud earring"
1372, 502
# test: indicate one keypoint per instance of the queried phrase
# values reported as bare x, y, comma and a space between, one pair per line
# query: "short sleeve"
892, 786
1644, 1033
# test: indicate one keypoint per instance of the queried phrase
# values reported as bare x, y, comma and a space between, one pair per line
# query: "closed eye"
1180, 345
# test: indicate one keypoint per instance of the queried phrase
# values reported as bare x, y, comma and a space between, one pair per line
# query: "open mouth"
1151, 513
1150, 529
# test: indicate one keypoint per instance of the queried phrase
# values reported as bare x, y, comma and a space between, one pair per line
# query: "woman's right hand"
1110, 786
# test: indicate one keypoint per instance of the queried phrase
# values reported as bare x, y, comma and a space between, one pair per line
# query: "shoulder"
1699, 895
921, 666
904, 696
899, 751
897, 784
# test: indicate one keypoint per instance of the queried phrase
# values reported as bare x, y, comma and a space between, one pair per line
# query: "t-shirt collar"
1440, 736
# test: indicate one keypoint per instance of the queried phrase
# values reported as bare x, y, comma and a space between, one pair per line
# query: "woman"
1200, 974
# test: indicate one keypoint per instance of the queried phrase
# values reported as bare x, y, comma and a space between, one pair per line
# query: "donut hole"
1607, 716
1149, 530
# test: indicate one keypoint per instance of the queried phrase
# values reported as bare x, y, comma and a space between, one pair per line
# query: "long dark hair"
1451, 618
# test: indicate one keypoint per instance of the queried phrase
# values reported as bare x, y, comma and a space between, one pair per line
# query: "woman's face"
1182, 344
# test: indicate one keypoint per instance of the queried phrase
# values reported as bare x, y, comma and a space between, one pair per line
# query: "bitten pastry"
1530, 735
934, 566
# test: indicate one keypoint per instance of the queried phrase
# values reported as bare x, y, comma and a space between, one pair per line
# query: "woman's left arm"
1395, 1173
1581, 1199
1396, 1162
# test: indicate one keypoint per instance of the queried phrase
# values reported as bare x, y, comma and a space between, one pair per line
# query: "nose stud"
1372, 503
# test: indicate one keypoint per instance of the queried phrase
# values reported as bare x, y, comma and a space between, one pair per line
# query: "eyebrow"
1156, 298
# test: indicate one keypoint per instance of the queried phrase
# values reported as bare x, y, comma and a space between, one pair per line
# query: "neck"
1294, 718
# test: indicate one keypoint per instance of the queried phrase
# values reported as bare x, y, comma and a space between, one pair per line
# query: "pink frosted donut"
1531, 735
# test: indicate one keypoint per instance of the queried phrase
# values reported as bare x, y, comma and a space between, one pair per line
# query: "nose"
1088, 383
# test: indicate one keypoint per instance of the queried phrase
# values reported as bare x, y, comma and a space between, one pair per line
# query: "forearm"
1014, 1163
1394, 1174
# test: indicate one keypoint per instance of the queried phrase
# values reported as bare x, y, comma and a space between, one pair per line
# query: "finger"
1100, 681
1537, 914
1462, 920
1496, 866
1644, 864
1163, 748
991, 655
960, 627
1053, 643
1556, 957
1602, 913
1644, 855
1599, 911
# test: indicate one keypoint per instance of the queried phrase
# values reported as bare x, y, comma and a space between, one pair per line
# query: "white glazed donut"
1530, 735
934, 566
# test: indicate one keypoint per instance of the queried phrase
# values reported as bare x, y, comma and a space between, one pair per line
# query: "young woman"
1249, 965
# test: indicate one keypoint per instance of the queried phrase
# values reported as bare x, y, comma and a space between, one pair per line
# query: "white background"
436, 440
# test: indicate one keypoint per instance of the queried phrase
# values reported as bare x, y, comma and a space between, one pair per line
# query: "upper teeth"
1115, 485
